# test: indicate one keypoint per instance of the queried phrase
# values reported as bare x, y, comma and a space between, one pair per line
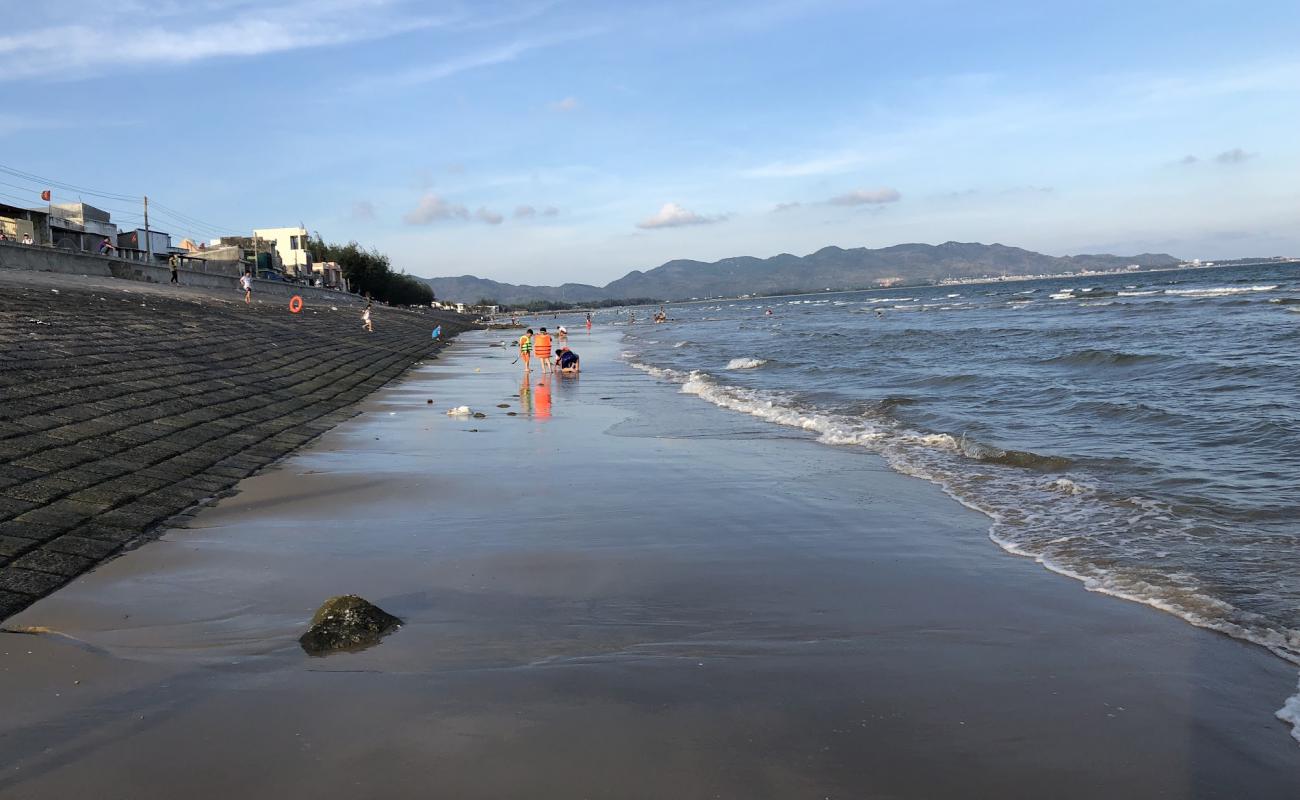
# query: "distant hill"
830, 268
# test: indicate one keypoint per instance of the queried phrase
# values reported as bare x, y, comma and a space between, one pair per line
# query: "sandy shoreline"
639, 595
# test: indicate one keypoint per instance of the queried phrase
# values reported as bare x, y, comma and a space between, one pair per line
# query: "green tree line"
369, 272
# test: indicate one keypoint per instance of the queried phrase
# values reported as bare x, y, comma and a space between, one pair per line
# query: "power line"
181, 219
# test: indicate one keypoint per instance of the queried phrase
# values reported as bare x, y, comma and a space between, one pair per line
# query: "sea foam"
746, 363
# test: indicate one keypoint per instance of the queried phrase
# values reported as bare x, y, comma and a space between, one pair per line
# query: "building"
138, 244
80, 226
291, 246
16, 222
329, 274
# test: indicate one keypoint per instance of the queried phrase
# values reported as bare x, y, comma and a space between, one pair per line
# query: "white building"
291, 246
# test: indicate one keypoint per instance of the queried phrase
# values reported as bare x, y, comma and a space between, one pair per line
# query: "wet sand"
621, 592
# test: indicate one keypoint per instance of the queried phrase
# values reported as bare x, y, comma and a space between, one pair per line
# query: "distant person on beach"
105, 246
567, 361
768, 312
542, 347
563, 336
366, 321
246, 283
526, 349
27, 239
588, 320
175, 263
631, 318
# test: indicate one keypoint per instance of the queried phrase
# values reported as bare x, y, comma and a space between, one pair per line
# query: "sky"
542, 141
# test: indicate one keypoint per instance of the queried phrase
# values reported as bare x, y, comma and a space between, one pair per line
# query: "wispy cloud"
821, 165
1234, 156
866, 197
501, 54
528, 212
787, 206
488, 216
565, 105
674, 216
103, 38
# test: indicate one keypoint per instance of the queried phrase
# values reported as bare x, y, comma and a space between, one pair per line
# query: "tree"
369, 272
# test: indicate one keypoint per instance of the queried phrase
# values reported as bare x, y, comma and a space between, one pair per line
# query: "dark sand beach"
621, 592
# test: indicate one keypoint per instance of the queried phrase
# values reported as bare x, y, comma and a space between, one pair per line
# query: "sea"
1139, 432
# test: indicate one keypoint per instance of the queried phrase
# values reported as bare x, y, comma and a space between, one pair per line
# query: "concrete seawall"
124, 403
67, 262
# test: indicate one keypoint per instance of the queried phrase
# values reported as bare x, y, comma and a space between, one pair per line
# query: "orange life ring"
295, 304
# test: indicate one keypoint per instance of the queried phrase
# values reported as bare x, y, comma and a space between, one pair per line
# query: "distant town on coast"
295, 255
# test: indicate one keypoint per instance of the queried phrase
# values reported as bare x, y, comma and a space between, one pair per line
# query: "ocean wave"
1062, 523
1219, 291
746, 363
990, 454
1290, 714
682, 344
1099, 358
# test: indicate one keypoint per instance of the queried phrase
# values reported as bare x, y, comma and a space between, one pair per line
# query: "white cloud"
102, 38
550, 211
525, 212
567, 104
865, 197
488, 216
674, 216
787, 206
433, 208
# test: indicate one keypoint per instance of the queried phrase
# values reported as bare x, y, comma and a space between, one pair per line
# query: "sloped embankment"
121, 406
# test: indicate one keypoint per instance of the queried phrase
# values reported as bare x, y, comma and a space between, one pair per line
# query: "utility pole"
148, 240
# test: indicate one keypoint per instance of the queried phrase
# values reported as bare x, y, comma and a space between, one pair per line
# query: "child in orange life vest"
526, 349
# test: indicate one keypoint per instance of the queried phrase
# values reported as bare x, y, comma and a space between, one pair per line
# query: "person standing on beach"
174, 262
562, 337
542, 347
365, 319
588, 321
246, 283
526, 349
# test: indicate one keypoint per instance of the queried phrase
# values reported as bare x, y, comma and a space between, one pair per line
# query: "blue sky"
567, 141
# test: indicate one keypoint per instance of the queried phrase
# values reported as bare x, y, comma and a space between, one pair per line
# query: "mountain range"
831, 268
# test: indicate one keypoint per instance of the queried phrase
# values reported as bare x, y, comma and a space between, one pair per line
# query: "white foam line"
833, 432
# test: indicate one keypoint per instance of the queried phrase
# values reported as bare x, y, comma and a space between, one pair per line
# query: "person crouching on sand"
526, 349
566, 361
542, 349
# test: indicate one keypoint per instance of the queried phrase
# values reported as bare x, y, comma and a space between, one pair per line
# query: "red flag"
45, 195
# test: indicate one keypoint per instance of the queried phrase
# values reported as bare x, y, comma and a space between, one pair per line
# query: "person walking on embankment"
542, 348
246, 283
175, 263
365, 319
